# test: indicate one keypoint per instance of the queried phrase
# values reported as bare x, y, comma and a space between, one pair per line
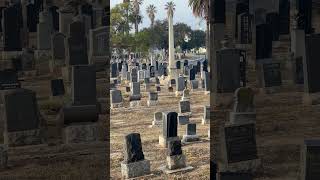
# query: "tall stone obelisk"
172, 66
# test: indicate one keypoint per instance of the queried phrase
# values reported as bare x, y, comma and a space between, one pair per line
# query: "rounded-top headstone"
244, 100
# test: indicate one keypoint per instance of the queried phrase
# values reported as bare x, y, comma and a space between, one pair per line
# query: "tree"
119, 19
170, 7
136, 12
151, 11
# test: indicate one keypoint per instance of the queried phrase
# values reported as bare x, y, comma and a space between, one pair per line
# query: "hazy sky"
183, 12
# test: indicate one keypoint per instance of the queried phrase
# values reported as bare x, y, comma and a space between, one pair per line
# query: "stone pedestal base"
190, 138
152, 103
244, 166
135, 169
3, 156
179, 93
163, 142
311, 99
239, 118
23, 138
205, 121
183, 120
156, 123
78, 133
116, 105
176, 162
134, 103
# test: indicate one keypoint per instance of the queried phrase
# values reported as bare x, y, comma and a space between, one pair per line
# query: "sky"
183, 12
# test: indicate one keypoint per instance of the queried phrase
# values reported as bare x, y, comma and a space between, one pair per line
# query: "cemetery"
53, 99
157, 105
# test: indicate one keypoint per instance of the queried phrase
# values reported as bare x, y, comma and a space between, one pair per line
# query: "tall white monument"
170, 7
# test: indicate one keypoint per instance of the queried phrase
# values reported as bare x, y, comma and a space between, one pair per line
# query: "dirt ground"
55, 160
128, 120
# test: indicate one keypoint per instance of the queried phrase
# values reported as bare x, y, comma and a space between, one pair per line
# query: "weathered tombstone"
58, 49
175, 158
152, 71
66, 14
185, 95
169, 128
77, 44
311, 71
21, 118
194, 85
11, 27
114, 70
153, 99
134, 163
84, 85
9, 80
44, 31
134, 75
191, 133
157, 119
178, 64
239, 149
184, 107
206, 115
180, 86
141, 75
272, 75
115, 98
99, 47
192, 74
309, 162
57, 87
135, 95
243, 107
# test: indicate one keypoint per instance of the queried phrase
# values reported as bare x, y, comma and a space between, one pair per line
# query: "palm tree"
136, 11
200, 8
151, 11
170, 7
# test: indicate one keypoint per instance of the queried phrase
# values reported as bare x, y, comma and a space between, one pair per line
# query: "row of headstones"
135, 165
42, 19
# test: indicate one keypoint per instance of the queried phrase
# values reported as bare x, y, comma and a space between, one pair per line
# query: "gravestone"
272, 74
77, 44
114, 70
194, 84
44, 31
134, 75
273, 20
185, 95
115, 98
9, 80
134, 163
239, 149
206, 80
58, 48
184, 107
21, 118
157, 119
175, 158
153, 99
206, 115
83, 85
192, 74
66, 14
169, 128
99, 46
12, 17
191, 133
264, 41
309, 162
180, 85
57, 87
243, 107
178, 64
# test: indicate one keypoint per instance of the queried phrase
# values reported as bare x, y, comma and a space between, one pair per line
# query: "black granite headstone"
240, 143
57, 87
174, 148
170, 125
133, 148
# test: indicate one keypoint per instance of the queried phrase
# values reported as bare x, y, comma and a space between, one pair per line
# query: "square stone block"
23, 138
135, 169
183, 120
81, 132
176, 162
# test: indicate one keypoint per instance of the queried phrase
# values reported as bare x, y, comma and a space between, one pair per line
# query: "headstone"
175, 157
83, 85
58, 46
57, 87
134, 163
157, 119
9, 80
134, 75
184, 107
185, 95
194, 84
99, 46
77, 44
169, 128
44, 31
180, 84
309, 162
272, 74
191, 133
264, 41
12, 23
21, 118
206, 115
115, 96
